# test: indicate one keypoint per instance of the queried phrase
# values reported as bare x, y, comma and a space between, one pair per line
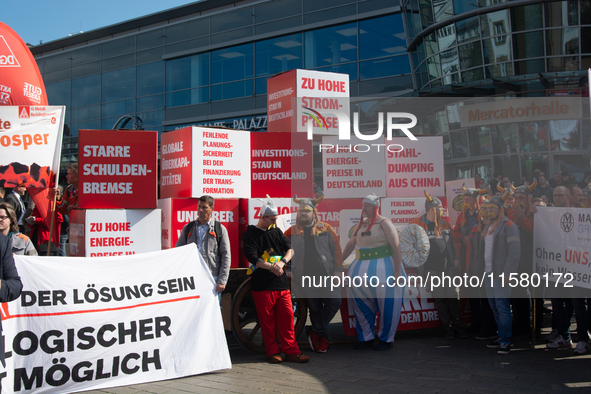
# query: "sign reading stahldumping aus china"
83, 324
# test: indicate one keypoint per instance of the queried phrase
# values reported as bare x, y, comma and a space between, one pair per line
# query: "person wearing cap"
377, 251
269, 284
523, 217
317, 254
442, 260
500, 251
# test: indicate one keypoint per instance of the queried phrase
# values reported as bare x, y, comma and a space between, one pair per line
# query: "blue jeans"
499, 298
63, 240
322, 310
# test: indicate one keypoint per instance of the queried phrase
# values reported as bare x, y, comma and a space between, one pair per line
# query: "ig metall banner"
562, 250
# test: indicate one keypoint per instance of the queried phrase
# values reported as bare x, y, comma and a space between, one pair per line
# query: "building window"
333, 45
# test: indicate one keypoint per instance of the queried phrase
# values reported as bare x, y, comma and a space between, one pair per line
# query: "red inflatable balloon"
20, 79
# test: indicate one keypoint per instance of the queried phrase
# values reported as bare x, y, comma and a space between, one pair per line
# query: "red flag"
43, 199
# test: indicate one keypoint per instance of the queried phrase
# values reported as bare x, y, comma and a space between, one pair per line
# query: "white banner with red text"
86, 324
30, 145
562, 251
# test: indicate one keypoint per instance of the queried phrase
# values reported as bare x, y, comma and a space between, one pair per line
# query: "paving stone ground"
420, 362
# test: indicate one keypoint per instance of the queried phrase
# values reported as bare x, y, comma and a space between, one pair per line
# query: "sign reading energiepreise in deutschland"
87, 324
520, 110
351, 173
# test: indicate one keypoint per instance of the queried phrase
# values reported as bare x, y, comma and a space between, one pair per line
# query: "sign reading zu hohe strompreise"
117, 169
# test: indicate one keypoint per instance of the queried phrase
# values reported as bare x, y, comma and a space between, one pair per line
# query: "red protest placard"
281, 165
117, 169
175, 163
225, 211
281, 89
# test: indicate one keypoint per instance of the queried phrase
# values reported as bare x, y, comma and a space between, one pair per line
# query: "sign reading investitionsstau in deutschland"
117, 169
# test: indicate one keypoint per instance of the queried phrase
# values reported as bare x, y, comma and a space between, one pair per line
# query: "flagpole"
51, 224
56, 167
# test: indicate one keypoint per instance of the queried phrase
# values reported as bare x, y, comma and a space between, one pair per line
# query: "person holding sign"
317, 255
377, 251
212, 242
269, 285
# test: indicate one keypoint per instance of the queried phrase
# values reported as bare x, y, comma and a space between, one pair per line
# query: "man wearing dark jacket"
10, 282
317, 254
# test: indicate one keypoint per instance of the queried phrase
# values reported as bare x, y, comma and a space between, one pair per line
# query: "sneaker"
313, 341
461, 333
494, 344
504, 348
363, 344
383, 345
560, 343
297, 358
323, 344
486, 334
450, 334
553, 335
582, 347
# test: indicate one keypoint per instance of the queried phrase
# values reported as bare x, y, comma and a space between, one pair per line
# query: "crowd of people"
23, 223
492, 236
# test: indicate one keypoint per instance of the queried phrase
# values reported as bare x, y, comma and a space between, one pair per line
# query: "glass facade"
212, 68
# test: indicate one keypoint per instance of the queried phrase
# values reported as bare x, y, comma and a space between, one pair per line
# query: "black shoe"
461, 333
383, 345
450, 334
486, 334
494, 344
504, 348
363, 344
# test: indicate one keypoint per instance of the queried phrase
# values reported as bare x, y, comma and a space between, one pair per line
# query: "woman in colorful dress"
378, 259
